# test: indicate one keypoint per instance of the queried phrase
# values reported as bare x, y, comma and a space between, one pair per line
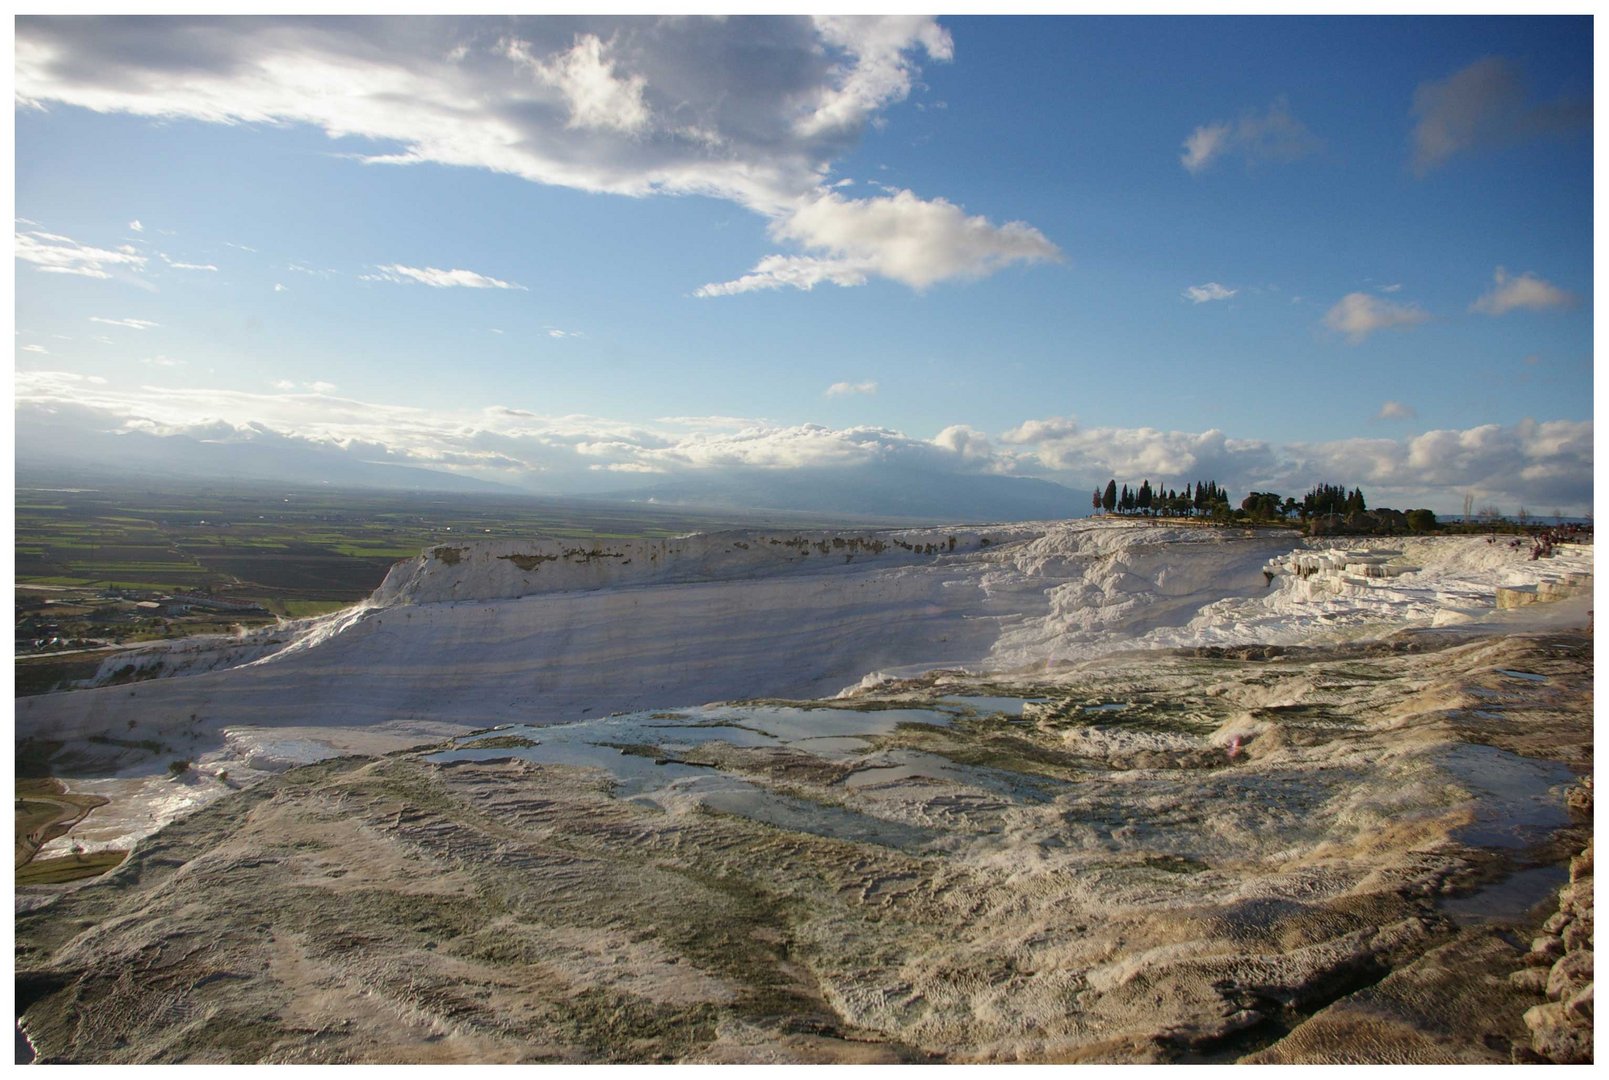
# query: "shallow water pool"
642, 754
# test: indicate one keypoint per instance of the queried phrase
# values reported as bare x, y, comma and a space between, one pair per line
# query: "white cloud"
136, 226
844, 389
1200, 294
973, 450
440, 279
187, 265
132, 324
1395, 410
1391, 288
36, 349
1357, 315
281, 288
917, 242
1272, 135
1532, 462
307, 387
753, 111
1062, 445
794, 271
596, 96
1527, 292
1482, 106
555, 332
1205, 144
879, 70
54, 254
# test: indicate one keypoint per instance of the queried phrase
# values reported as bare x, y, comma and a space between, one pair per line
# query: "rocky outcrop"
1559, 966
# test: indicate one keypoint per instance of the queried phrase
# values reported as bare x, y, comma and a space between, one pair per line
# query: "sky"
587, 254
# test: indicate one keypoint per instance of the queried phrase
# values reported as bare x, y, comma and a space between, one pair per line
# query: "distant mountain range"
875, 491
881, 491
43, 446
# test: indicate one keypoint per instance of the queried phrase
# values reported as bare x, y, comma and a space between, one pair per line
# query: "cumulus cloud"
877, 70
1271, 135
1357, 315
132, 324
750, 110
973, 450
843, 389
1201, 294
439, 279
597, 97
136, 226
55, 254
1482, 106
917, 242
1530, 462
1533, 462
1525, 292
914, 241
1395, 410
1062, 445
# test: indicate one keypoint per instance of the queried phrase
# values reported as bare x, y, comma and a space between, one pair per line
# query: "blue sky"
568, 254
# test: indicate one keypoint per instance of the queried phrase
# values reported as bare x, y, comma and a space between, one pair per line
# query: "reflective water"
664, 758
1509, 900
1530, 676
652, 756
1518, 800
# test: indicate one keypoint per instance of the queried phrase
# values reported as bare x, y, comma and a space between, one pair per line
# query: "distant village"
64, 619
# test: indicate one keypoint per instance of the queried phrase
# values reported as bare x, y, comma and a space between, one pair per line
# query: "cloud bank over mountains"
752, 111
1542, 465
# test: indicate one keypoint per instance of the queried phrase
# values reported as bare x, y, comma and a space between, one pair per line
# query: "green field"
294, 551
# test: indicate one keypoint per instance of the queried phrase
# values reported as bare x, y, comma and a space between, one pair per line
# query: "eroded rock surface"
1154, 857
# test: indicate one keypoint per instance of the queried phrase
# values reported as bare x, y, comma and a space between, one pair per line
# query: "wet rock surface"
1154, 857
